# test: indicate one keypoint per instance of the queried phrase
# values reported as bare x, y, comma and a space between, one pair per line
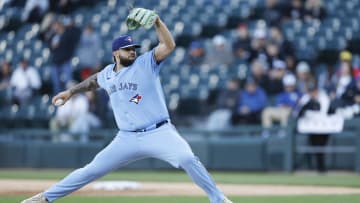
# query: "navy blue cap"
123, 41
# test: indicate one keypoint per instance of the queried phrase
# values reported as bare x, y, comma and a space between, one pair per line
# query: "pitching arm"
86, 85
166, 41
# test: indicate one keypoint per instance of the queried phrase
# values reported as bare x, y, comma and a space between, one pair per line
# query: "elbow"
171, 46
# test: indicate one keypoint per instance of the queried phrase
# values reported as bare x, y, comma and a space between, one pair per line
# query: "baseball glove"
140, 17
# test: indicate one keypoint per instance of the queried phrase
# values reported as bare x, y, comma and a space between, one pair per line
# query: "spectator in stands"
250, 103
241, 46
314, 10
315, 100
286, 49
272, 52
295, 10
11, 14
351, 95
25, 82
220, 52
259, 74
34, 10
226, 102
5, 3
47, 30
63, 45
258, 45
98, 103
67, 6
88, 52
5, 76
276, 75
285, 102
341, 79
74, 117
303, 75
271, 13
196, 53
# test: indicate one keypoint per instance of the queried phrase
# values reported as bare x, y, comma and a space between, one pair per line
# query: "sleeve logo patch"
136, 99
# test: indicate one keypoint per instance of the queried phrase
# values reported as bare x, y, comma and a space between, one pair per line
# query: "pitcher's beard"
126, 62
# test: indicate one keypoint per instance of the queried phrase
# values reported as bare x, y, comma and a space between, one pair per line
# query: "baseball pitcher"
137, 99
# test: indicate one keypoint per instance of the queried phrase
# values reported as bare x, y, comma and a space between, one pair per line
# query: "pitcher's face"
126, 56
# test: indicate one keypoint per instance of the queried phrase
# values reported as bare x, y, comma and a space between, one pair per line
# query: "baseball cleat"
39, 198
226, 200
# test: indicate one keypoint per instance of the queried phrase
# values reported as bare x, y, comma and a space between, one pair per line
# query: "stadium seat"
354, 45
328, 56
189, 106
8, 115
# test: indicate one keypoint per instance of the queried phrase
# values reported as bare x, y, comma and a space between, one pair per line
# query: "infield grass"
330, 179
178, 199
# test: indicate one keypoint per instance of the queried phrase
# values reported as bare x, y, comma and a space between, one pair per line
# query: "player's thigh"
120, 151
166, 144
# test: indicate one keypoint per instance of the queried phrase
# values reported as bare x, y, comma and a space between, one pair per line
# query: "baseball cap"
279, 64
195, 45
260, 33
302, 67
345, 56
123, 41
219, 40
289, 80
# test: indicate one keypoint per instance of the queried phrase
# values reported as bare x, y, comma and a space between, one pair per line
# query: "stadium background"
190, 88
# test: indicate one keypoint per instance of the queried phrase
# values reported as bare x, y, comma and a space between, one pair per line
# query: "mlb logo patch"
129, 39
135, 99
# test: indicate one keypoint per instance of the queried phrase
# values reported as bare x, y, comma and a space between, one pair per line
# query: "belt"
152, 127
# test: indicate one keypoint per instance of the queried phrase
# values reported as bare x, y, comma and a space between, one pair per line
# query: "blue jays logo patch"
135, 99
129, 39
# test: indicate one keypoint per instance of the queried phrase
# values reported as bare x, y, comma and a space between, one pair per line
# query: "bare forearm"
86, 85
164, 34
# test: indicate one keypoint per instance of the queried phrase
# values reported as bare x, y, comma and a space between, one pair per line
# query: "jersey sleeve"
101, 78
150, 61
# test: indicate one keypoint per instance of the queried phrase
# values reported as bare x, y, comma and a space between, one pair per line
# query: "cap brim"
131, 45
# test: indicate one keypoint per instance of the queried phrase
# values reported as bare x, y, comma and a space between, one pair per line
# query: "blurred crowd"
66, 40
275, 82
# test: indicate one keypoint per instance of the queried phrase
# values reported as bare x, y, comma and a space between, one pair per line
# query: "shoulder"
146, 56
282, 95
260, 90
32, 69
108, 68
105, 73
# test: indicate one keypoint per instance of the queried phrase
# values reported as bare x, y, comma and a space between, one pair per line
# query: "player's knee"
187, 160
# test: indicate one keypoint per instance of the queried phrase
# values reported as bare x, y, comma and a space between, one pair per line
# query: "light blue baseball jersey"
135, 92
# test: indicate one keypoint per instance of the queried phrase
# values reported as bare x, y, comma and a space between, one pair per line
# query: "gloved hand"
140, 17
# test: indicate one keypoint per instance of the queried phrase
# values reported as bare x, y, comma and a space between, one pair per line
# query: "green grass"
262, 199
332, 179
